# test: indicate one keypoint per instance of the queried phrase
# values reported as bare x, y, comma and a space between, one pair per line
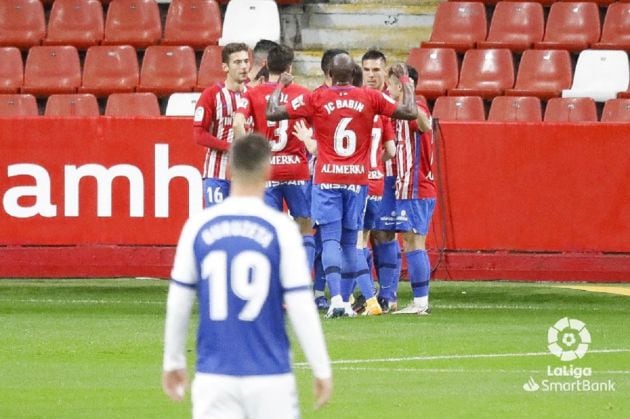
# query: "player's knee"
381, 237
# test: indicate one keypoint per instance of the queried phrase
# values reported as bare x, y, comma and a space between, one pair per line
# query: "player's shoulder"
298, 89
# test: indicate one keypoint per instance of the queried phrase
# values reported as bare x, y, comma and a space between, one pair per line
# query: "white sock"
336, 301
319, 294
421, 301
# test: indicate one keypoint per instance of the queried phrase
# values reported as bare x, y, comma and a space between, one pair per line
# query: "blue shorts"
294, 193
372, 211
414, 215
386, 220
345, 203
215, 191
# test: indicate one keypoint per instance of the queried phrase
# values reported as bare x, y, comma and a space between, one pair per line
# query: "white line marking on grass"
449, 370
456, 356
52, 301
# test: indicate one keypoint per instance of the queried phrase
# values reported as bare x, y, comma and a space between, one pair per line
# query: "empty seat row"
602, 3
108, 69
543, 73
134, 22
529, 109
573, 26
81, 104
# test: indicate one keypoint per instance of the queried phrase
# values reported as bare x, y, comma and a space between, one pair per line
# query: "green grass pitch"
93, 348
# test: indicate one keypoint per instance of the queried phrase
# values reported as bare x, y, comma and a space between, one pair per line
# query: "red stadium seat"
616, 30
616, 110
462, 108
543, 73
11, 70
579, 109
132, 104
79, 104
438, 70
571, 25
210, 70
515, 25
458, 25
75, 22
196, 23
22, 23
168, 69
133, 22
515, 108
110, 69
486, 73
52, 69
18, 105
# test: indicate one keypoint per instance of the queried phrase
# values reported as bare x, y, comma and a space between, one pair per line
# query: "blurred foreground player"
243, 260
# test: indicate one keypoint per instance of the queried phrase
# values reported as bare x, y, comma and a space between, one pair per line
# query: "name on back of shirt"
237, 228
344, 103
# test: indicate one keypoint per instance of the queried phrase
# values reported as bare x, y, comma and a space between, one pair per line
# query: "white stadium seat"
249, 21
182, 104
600, 74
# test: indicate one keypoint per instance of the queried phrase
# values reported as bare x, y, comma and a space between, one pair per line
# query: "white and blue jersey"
241, 257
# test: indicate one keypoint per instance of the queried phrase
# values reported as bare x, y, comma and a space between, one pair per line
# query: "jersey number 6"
345, 140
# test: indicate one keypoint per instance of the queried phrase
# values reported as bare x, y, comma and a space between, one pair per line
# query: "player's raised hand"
285, 79
174, 384
322, 391
301, 131
400, 70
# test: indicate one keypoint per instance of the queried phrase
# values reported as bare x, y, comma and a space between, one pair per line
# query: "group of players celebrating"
352, 162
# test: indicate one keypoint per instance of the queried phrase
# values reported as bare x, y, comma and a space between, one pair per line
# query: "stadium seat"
22, 23
458, 25
210, 70
110, 69
133, 22
575, 109
18, 105
260, 17
79, 104
486, 73
11, 70
438, 70
132, 104
75, 22
52, 69
459, 108
515, 108
616, 110
600, 74
515, 25
571, 25
616, 29
542, 73
168, 69
196, 23
182, 104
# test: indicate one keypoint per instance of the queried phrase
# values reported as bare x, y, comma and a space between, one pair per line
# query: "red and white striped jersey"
382, 131
414, 159
214, 113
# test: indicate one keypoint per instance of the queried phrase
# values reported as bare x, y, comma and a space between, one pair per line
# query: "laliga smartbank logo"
568, 339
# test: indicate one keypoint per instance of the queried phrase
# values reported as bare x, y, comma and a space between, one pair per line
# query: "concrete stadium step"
307, 62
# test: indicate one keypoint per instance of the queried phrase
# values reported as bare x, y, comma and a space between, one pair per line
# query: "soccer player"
212, 123
243, 260
415, 194
290, 177
326, 62
341, 117
386, 249
259, 72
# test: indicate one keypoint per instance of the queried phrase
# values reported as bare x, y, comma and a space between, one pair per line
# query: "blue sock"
367, 253
397, 271
364, 279
347, 286
385, 255
331, 256
419, 269
320, 278
309, 245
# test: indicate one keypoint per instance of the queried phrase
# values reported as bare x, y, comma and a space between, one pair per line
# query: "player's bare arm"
424, 122
275, 111
305, 134
389, 150
407, 109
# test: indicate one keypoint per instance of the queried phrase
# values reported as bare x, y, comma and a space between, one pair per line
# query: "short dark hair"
250, 154
357, 75
230, 49
374, 54
328, 56
279, 59
413, 74
263, 47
